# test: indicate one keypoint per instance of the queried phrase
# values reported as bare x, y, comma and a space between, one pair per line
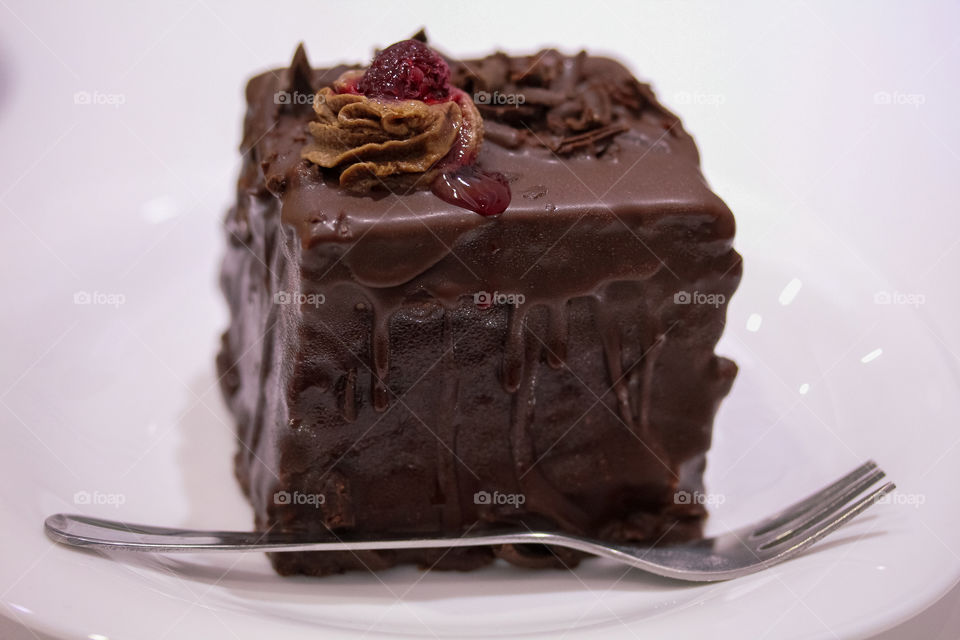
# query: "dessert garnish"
558, 102
400, 125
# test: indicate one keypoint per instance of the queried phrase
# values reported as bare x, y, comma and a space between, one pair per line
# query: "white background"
786, 100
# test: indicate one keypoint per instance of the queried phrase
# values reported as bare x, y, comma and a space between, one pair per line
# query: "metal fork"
733, 554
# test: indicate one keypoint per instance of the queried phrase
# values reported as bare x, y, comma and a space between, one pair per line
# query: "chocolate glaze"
398, 398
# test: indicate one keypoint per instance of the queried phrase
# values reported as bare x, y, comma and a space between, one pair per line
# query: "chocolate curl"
297, 79
504, 135
568, 110
595, 139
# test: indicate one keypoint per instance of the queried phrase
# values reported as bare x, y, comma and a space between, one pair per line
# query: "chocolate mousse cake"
468, 295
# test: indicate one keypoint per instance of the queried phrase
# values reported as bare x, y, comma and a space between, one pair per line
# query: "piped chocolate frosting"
398, 126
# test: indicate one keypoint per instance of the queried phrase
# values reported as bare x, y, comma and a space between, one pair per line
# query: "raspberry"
408, 70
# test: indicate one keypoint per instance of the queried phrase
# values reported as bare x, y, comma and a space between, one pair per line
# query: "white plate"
123, 406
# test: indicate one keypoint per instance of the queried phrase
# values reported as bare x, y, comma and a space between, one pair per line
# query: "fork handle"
96, 533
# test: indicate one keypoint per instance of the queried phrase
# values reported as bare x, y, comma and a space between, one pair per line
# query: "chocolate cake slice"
467, 295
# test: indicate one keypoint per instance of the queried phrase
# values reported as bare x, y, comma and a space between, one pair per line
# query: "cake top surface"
572, 136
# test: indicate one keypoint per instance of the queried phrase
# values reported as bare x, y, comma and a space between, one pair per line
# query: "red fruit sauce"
483, 192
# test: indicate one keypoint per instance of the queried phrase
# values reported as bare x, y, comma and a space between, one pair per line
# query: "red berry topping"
408, 70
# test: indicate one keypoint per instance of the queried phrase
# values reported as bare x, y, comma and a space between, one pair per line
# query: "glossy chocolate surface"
360, 367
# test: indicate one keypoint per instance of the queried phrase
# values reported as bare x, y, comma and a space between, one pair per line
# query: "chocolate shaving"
596, 106
629, 94
540, 70
539, 96
297, 80
570, 70
509, 114
638, 96
420, 35
557, 118
489, 74
588, 139
562, 102
504, 135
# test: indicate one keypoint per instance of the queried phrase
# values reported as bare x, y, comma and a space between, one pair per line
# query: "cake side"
361, 368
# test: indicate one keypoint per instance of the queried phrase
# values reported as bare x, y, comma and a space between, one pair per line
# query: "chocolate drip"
609, 331
266, 363
557, 335
533, 483
513, 351
380, 352
447, 425
649, 364
635, 394
347, 392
